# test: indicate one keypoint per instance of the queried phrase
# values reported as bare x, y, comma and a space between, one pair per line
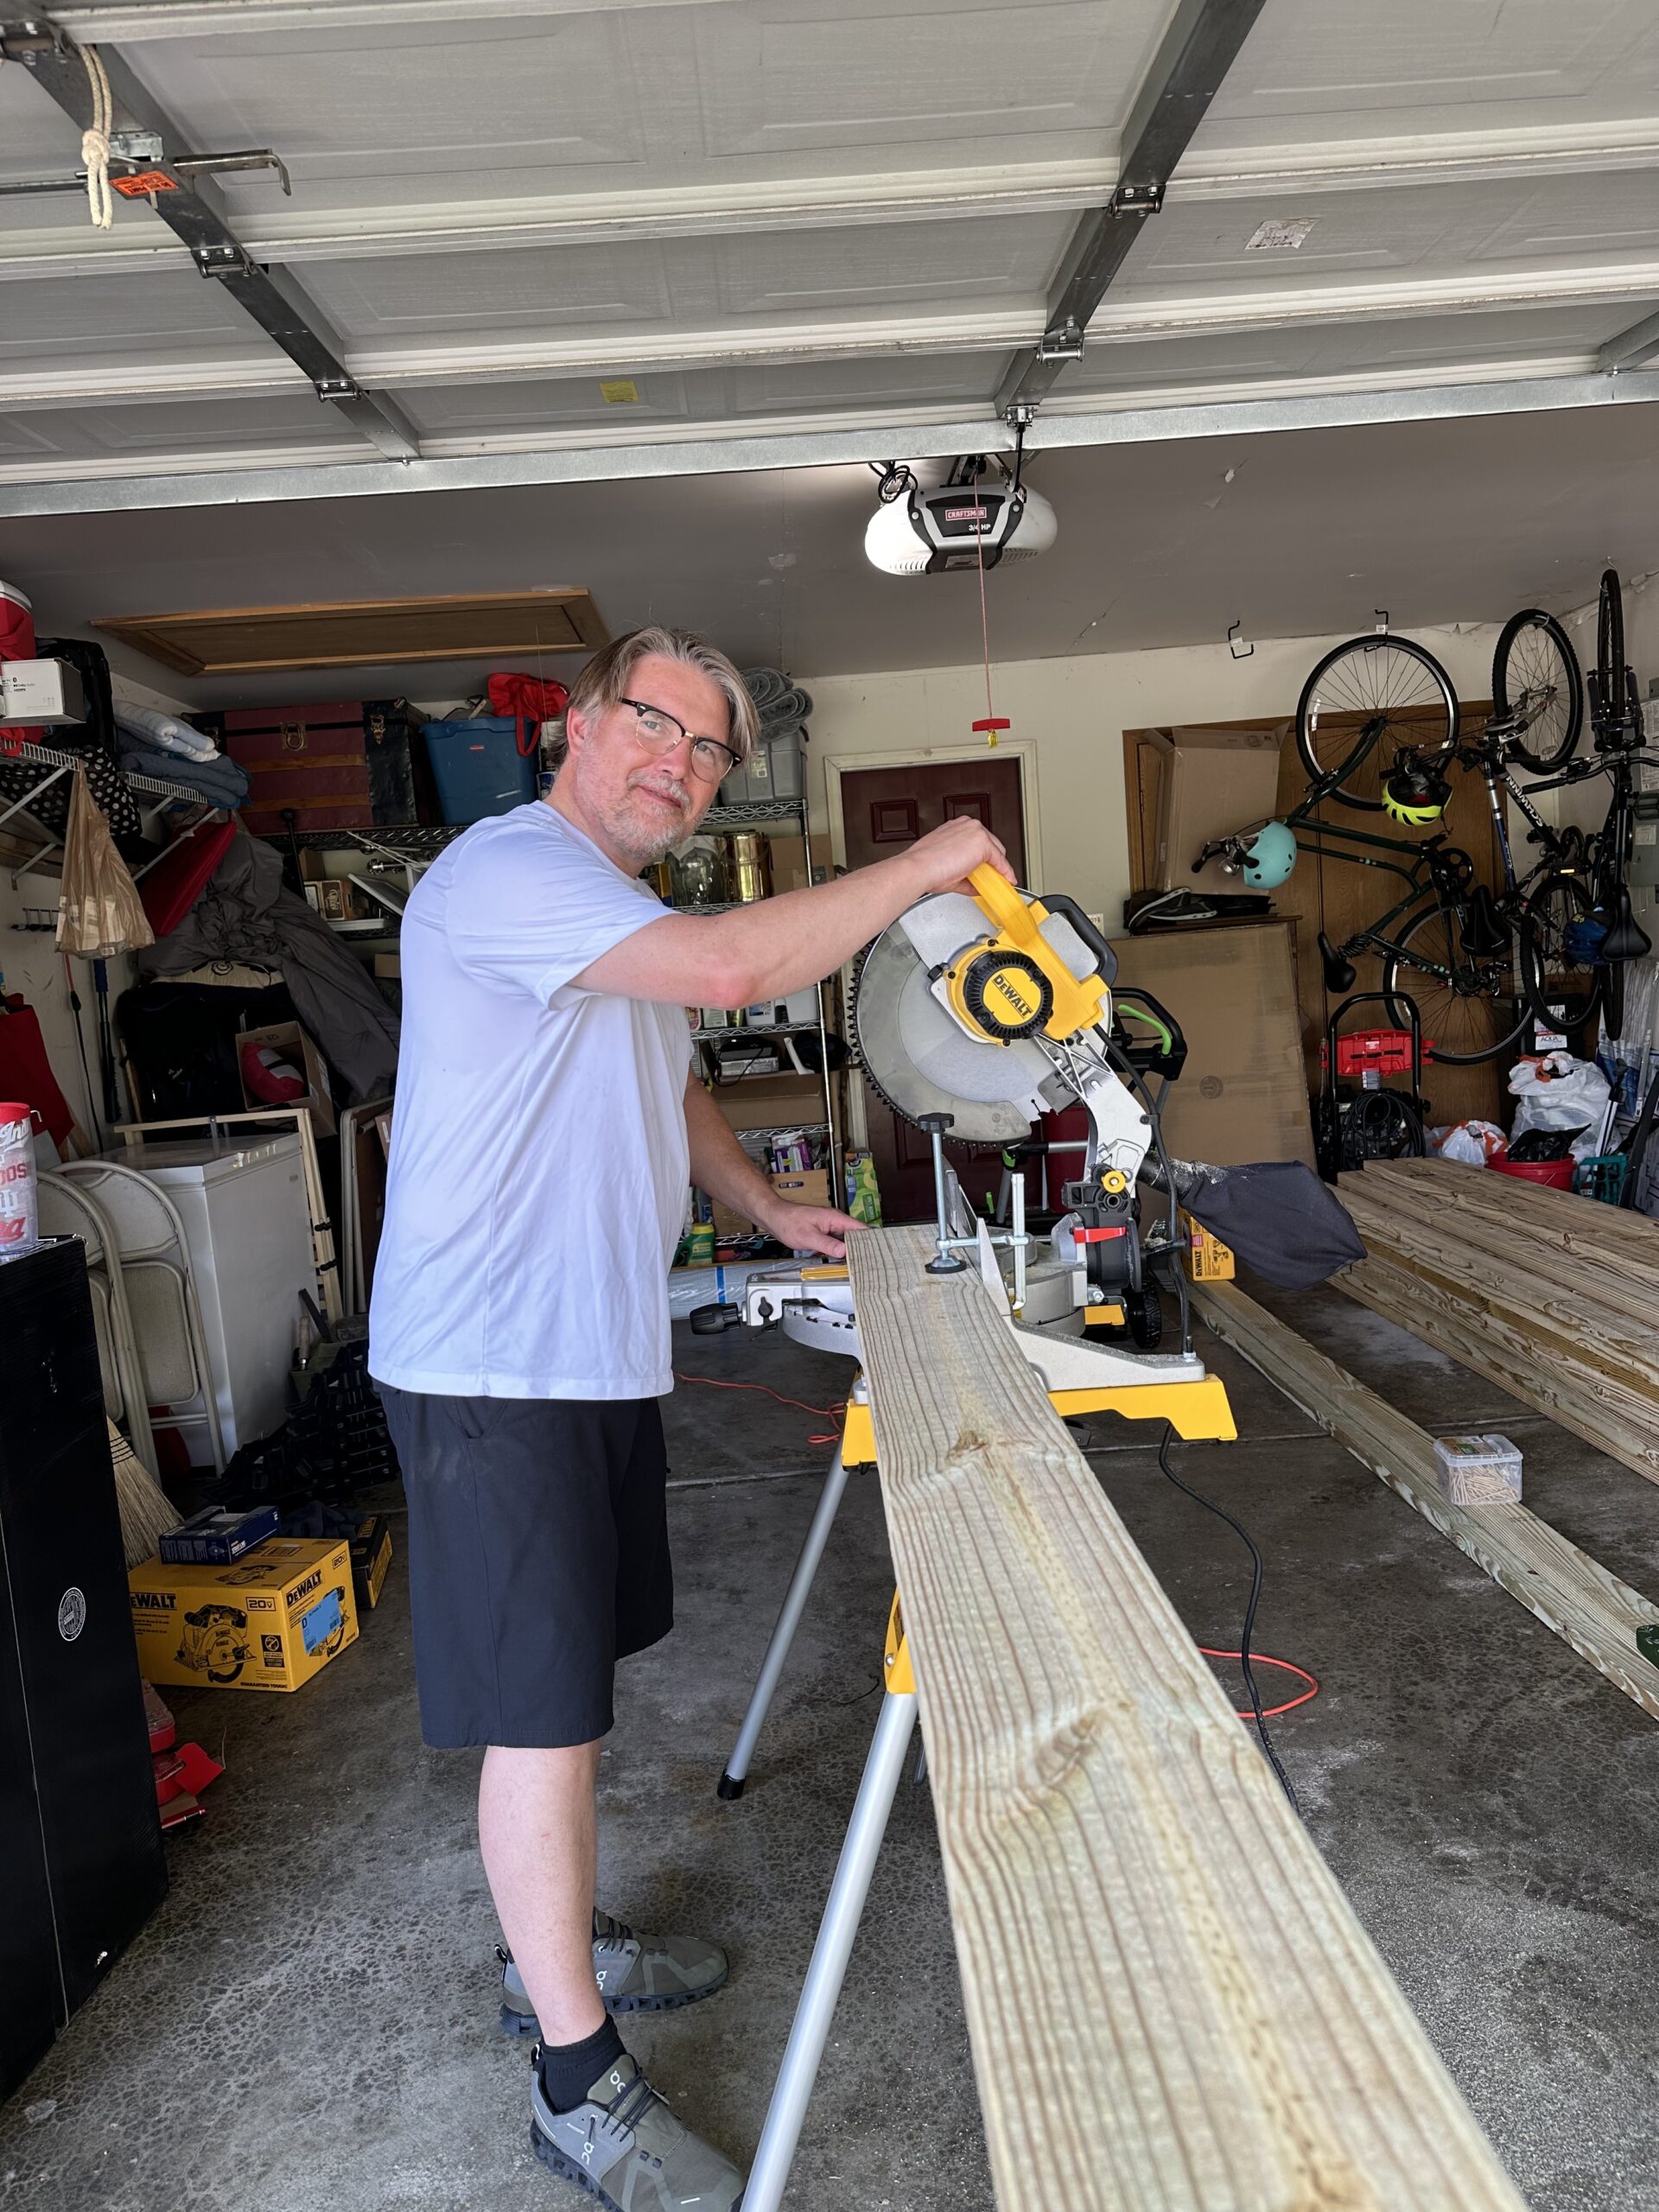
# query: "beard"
647, 830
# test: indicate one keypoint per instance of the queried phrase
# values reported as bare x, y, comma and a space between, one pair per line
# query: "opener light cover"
926, 532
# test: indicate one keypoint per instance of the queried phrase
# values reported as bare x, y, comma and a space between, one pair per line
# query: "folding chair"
161, 1293
67, 1211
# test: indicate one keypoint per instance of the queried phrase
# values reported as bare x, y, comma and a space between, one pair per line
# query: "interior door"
883, 809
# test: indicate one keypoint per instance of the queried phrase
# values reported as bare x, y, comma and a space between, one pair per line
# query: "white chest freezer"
248, 1229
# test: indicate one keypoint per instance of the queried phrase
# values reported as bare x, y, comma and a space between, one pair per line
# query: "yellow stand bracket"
1198, 1412
898, 1677
858, 1438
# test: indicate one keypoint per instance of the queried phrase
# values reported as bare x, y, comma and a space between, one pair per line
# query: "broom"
146, 1516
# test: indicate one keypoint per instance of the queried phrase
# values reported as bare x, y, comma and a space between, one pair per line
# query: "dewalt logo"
1009, 985
303, 1589
154, 1601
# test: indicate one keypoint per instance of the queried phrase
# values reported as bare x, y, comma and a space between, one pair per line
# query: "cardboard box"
771, 1101
217, 1536
802, 1186
1242, 1095
291, 1041
371, 1558
1213, 781
789, 862
389, 965
271, 1621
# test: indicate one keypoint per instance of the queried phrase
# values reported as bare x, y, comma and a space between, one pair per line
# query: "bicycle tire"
1610, 643
1612, 998
1366, 678
1451, 1019
1562, 993
1534, 646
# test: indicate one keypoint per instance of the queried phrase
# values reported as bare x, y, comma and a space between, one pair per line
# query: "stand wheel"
1145, 1318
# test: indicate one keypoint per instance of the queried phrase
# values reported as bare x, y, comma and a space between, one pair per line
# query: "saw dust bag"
99, 910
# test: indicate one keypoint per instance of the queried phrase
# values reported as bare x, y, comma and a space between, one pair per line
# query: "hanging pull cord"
95, 141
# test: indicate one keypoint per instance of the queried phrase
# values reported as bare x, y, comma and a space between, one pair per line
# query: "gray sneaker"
635, 1974
625, 2148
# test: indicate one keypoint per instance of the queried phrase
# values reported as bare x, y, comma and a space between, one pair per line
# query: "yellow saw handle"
1079, 1001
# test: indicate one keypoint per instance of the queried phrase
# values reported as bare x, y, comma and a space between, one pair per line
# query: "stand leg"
775, 2154
800, 1588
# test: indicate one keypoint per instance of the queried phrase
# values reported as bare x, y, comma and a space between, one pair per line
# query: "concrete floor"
309, 2023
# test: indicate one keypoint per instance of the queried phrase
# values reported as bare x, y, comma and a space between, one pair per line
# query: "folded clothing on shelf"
217, 779
154, 731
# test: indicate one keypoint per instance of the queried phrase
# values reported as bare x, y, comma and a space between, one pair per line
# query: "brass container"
751, 869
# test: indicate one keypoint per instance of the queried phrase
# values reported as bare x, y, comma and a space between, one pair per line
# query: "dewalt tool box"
270, 1621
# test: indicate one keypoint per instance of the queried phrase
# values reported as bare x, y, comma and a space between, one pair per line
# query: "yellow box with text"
270, 1621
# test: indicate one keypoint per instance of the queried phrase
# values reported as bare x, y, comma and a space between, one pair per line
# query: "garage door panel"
82, 322
785, 76
184, 431
1337, 69
1426, 231
1548, 335
694, 283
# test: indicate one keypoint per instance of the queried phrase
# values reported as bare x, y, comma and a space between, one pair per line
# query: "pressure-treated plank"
1170, 2002
1615, 1420
1596, 1321
1570, 1593
1623, 1246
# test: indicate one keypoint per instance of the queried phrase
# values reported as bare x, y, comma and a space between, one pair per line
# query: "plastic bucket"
478, 767
1553, 1174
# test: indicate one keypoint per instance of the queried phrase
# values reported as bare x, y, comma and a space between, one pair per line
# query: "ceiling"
1291, 534
567, 238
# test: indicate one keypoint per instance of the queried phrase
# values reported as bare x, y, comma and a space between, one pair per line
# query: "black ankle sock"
569, 2069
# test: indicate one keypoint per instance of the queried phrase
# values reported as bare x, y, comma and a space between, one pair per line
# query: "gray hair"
607, 677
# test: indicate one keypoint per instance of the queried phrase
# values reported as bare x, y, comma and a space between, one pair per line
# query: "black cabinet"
81, 1866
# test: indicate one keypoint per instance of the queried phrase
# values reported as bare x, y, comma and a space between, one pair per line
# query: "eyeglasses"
710, 759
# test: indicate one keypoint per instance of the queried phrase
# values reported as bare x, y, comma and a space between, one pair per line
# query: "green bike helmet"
1415, 793
1270, 856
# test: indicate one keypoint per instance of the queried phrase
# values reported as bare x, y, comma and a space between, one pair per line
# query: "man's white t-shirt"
536, 1189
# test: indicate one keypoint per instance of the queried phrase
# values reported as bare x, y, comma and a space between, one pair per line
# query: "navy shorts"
538, 1558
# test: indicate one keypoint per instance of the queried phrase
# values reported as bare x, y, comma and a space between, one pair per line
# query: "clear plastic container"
1482, 1470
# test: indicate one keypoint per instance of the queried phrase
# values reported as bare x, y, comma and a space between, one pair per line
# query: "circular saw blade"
921, 1061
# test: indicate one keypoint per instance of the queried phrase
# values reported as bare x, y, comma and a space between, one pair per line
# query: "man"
549, 1119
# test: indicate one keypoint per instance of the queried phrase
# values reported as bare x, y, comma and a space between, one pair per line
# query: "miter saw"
973, 1016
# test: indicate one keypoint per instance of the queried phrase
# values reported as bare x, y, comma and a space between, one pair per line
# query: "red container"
1553, 1174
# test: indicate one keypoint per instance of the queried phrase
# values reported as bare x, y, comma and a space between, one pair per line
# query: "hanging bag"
99, 912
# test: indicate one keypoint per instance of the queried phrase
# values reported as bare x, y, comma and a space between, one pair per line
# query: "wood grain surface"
1171, 2004
1554, 1298
1569, 1591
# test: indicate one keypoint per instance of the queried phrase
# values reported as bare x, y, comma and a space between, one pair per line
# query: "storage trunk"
345, 765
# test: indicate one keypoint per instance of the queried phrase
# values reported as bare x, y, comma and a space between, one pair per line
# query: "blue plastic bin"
480, 767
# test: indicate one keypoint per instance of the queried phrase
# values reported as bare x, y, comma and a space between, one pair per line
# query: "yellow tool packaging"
270, 1621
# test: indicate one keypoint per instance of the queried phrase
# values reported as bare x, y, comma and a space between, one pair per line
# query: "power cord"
1245, 1667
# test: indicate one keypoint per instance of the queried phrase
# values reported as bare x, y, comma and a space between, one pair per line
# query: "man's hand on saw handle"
947, 856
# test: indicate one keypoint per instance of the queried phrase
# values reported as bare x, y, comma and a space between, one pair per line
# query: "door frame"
1022, 750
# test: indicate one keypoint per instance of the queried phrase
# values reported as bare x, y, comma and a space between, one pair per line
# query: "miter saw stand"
1084, 1317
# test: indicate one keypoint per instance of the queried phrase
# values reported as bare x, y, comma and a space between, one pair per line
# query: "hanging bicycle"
1378, 729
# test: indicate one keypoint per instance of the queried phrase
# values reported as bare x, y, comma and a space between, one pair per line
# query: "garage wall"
1074, 711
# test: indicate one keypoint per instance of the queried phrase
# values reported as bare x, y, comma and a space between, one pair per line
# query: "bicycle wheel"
1559, 978
1371, 698
1536, 678
1609, 642
1467, 1003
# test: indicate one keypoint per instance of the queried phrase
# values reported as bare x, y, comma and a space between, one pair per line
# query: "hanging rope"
95, 141
993, 721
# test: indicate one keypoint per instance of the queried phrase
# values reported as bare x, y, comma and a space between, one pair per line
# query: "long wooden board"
1223, 2036
1618, 1421
1569, 1591
1624, 1246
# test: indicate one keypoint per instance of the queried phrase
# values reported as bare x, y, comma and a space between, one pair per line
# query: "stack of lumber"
1224, 2038
1571, 1593
1552, 1297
